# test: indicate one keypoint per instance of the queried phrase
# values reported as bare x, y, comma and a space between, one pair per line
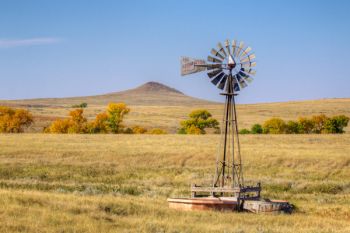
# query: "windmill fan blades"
222, 82
247, 65
242, 74
217, 78
213, 59
221, 49
249, 58
241, 45
217, 54
252, 64
227, 45
246, 51
241, 81
229, 66
214, 73
252, 72
235, 84
236, 87
239, 49
233, 47
248, 79
248, 71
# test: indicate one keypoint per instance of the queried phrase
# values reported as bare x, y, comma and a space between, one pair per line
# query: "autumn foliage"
316, 124
99, 125
77, 123
106, 122
115, 115
198, 121
14, 120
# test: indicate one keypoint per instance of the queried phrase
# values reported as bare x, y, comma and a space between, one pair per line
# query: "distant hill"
150, 93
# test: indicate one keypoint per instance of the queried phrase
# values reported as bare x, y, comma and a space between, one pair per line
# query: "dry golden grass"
119, 183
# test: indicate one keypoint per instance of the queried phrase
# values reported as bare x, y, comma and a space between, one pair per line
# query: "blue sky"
74, 48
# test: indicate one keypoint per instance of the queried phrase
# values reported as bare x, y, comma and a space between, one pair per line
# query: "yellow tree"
199, 120
274, 126
14, 120
78, 121
305, 125
59, 126
99, 125
116, 113
319, 122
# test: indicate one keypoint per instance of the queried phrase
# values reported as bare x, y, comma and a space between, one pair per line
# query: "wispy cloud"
10, 43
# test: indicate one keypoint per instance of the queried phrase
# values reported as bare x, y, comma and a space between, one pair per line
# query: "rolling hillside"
150, 94
156, 105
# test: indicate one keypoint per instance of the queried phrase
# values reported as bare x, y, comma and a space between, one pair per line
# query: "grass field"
119, 183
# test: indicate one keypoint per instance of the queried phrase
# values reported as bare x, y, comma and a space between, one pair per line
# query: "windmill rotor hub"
231, 66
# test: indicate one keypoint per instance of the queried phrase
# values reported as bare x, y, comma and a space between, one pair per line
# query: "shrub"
77, 123
199, 120
292, 127
319, 122
138, 130
99, 125
14, 120
157, 131
244, 131
181, 131
274, 126
336, 124
305, 125
256, 129
193, 130
128, 131
59, 126
82, 105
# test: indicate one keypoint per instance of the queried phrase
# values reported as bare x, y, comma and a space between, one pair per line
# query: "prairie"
119, 183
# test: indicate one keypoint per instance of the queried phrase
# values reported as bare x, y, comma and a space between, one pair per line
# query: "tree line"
318, 124
111, 121
199, 121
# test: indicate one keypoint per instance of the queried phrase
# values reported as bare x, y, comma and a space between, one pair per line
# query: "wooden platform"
242, 193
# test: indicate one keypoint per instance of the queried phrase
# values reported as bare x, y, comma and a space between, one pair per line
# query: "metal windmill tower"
230, 69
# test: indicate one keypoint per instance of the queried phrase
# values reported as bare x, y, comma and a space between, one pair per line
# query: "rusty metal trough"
203, 203
230, 204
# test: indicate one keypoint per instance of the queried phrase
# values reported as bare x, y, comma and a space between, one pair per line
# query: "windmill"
229, 68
